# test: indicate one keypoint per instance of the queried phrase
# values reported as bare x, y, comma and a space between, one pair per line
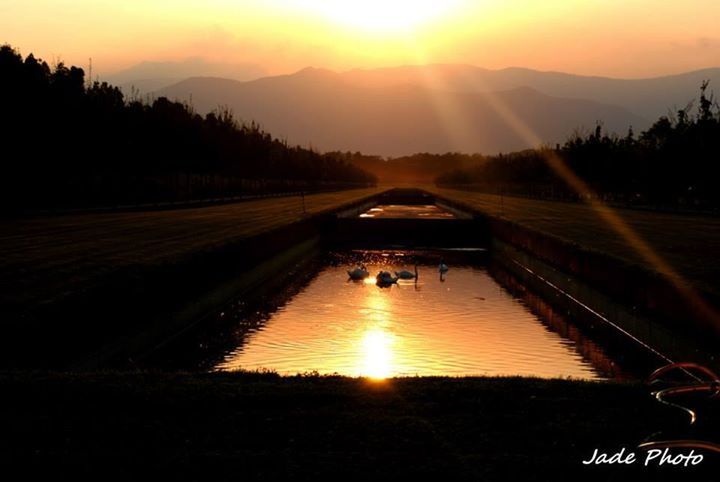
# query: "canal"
460, 323
476, 319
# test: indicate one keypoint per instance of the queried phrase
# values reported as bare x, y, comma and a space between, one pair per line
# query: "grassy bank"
690, 243
90, 286
46, 257
263, 427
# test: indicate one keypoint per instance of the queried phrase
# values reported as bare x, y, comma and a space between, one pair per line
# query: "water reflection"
404, 211
377, 354
466, 324
555, 321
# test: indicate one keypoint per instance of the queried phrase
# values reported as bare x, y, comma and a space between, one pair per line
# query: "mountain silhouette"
648, 98
147, 77
332, 111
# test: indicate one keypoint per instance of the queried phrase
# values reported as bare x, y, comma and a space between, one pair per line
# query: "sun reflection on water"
361, 330
377, 354
375, 341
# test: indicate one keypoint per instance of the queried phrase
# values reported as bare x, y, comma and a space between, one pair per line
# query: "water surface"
407, 211
462, 324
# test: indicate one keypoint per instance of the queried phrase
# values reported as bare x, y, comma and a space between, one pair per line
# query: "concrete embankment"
642, 301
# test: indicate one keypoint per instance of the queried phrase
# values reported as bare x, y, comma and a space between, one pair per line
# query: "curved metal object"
711, 386
685, 367
660, 395
681, 444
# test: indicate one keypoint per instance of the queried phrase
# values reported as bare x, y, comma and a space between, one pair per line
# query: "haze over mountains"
147, 77
649, 98
439, 108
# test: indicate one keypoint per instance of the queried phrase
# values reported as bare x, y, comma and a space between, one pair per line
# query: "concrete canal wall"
629, 294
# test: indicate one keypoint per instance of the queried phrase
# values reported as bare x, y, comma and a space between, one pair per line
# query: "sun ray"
607, 214
457, 127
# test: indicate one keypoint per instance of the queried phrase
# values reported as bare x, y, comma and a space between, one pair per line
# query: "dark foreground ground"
128, 426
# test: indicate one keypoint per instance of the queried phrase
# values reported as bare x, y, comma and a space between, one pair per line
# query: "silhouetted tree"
66, 143
674, 162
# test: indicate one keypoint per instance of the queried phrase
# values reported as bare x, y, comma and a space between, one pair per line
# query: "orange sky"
621, 38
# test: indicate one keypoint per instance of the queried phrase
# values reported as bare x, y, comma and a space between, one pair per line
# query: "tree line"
69, 142
675, 162
419, 167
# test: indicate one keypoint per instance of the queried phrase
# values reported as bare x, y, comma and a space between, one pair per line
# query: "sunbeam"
607, 214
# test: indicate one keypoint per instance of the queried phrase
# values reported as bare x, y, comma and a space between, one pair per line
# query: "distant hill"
392, 115
147, 77
648, 98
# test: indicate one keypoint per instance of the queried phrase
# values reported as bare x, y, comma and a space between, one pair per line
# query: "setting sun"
382, 15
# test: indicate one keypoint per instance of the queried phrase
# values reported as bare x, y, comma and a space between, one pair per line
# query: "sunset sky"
617, 38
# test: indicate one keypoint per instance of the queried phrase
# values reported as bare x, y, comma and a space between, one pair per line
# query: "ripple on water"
466, 325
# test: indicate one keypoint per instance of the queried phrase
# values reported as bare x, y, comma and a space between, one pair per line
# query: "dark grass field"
690, 243
124, 426
46, 258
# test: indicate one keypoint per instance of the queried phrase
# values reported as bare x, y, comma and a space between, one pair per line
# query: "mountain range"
439, 108
649, 98
147, 77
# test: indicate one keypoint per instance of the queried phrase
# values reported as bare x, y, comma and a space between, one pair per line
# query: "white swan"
407, 274
443, 268
359, 273
385, 278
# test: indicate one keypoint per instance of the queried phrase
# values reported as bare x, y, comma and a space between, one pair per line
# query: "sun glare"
377, 355
381, 15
